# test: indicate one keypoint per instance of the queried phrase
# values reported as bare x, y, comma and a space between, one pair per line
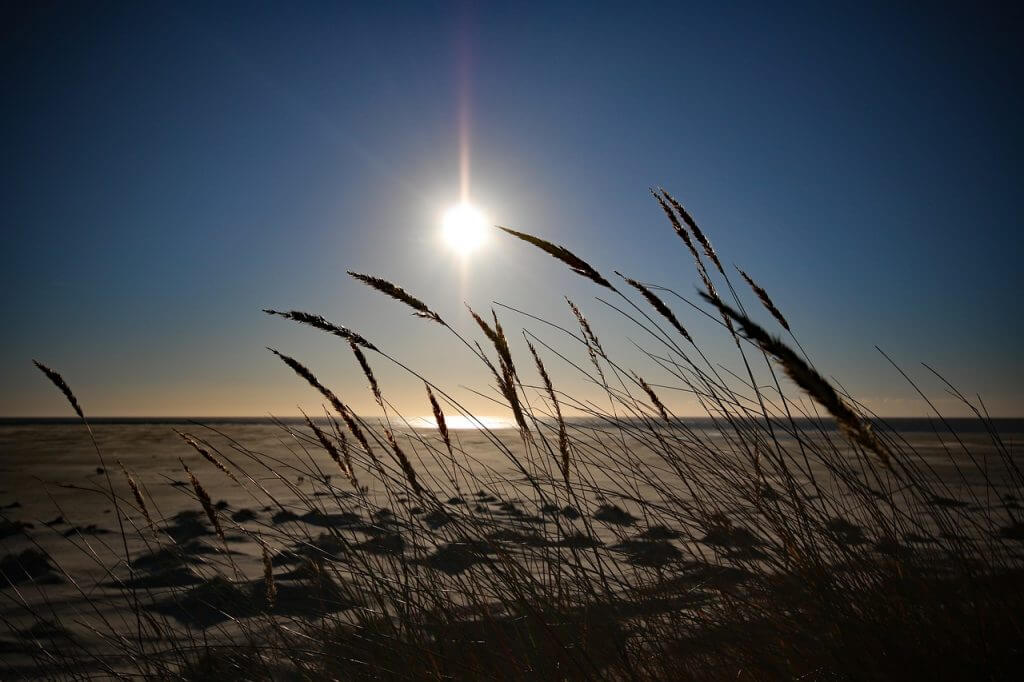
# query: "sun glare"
464, 228
457, 422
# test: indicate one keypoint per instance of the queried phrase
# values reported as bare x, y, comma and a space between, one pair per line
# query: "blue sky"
170, 169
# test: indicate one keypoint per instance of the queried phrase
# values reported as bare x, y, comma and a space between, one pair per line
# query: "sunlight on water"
458, 422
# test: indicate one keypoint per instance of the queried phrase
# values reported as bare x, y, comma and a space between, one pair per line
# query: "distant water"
52, 498
38, 453
905, 425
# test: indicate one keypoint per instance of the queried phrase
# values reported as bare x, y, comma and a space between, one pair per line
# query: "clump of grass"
764, 542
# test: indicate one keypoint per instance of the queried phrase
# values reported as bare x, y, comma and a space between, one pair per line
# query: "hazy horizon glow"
171, 170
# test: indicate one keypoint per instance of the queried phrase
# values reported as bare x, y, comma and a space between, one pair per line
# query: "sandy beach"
62, 547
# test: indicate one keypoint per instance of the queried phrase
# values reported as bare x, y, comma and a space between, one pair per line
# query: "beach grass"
789, 534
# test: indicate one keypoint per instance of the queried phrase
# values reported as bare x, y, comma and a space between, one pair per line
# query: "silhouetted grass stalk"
631, 544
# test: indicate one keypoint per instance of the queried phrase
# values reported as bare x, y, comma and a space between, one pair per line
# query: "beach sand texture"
62, 549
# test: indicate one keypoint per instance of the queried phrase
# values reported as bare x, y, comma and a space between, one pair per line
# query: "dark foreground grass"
791, 535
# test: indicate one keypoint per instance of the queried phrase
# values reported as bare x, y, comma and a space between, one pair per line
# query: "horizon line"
430, 417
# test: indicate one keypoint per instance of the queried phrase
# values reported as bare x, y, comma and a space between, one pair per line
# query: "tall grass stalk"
789, 533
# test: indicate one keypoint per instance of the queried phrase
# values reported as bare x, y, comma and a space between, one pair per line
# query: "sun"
464, 228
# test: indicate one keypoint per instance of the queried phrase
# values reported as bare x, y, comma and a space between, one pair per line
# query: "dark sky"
169, 169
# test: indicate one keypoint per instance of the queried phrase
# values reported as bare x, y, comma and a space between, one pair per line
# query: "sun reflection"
458, 422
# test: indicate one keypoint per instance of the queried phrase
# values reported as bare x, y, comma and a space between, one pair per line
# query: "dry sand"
52, 503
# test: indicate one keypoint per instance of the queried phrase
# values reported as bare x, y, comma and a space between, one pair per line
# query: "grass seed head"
59, 382
398, 293
320, 323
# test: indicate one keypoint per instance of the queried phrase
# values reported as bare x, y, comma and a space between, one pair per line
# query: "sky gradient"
171, 169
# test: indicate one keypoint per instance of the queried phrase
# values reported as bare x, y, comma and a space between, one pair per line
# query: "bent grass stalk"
682, 551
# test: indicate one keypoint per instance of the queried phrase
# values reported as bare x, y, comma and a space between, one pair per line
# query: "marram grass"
788, 535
